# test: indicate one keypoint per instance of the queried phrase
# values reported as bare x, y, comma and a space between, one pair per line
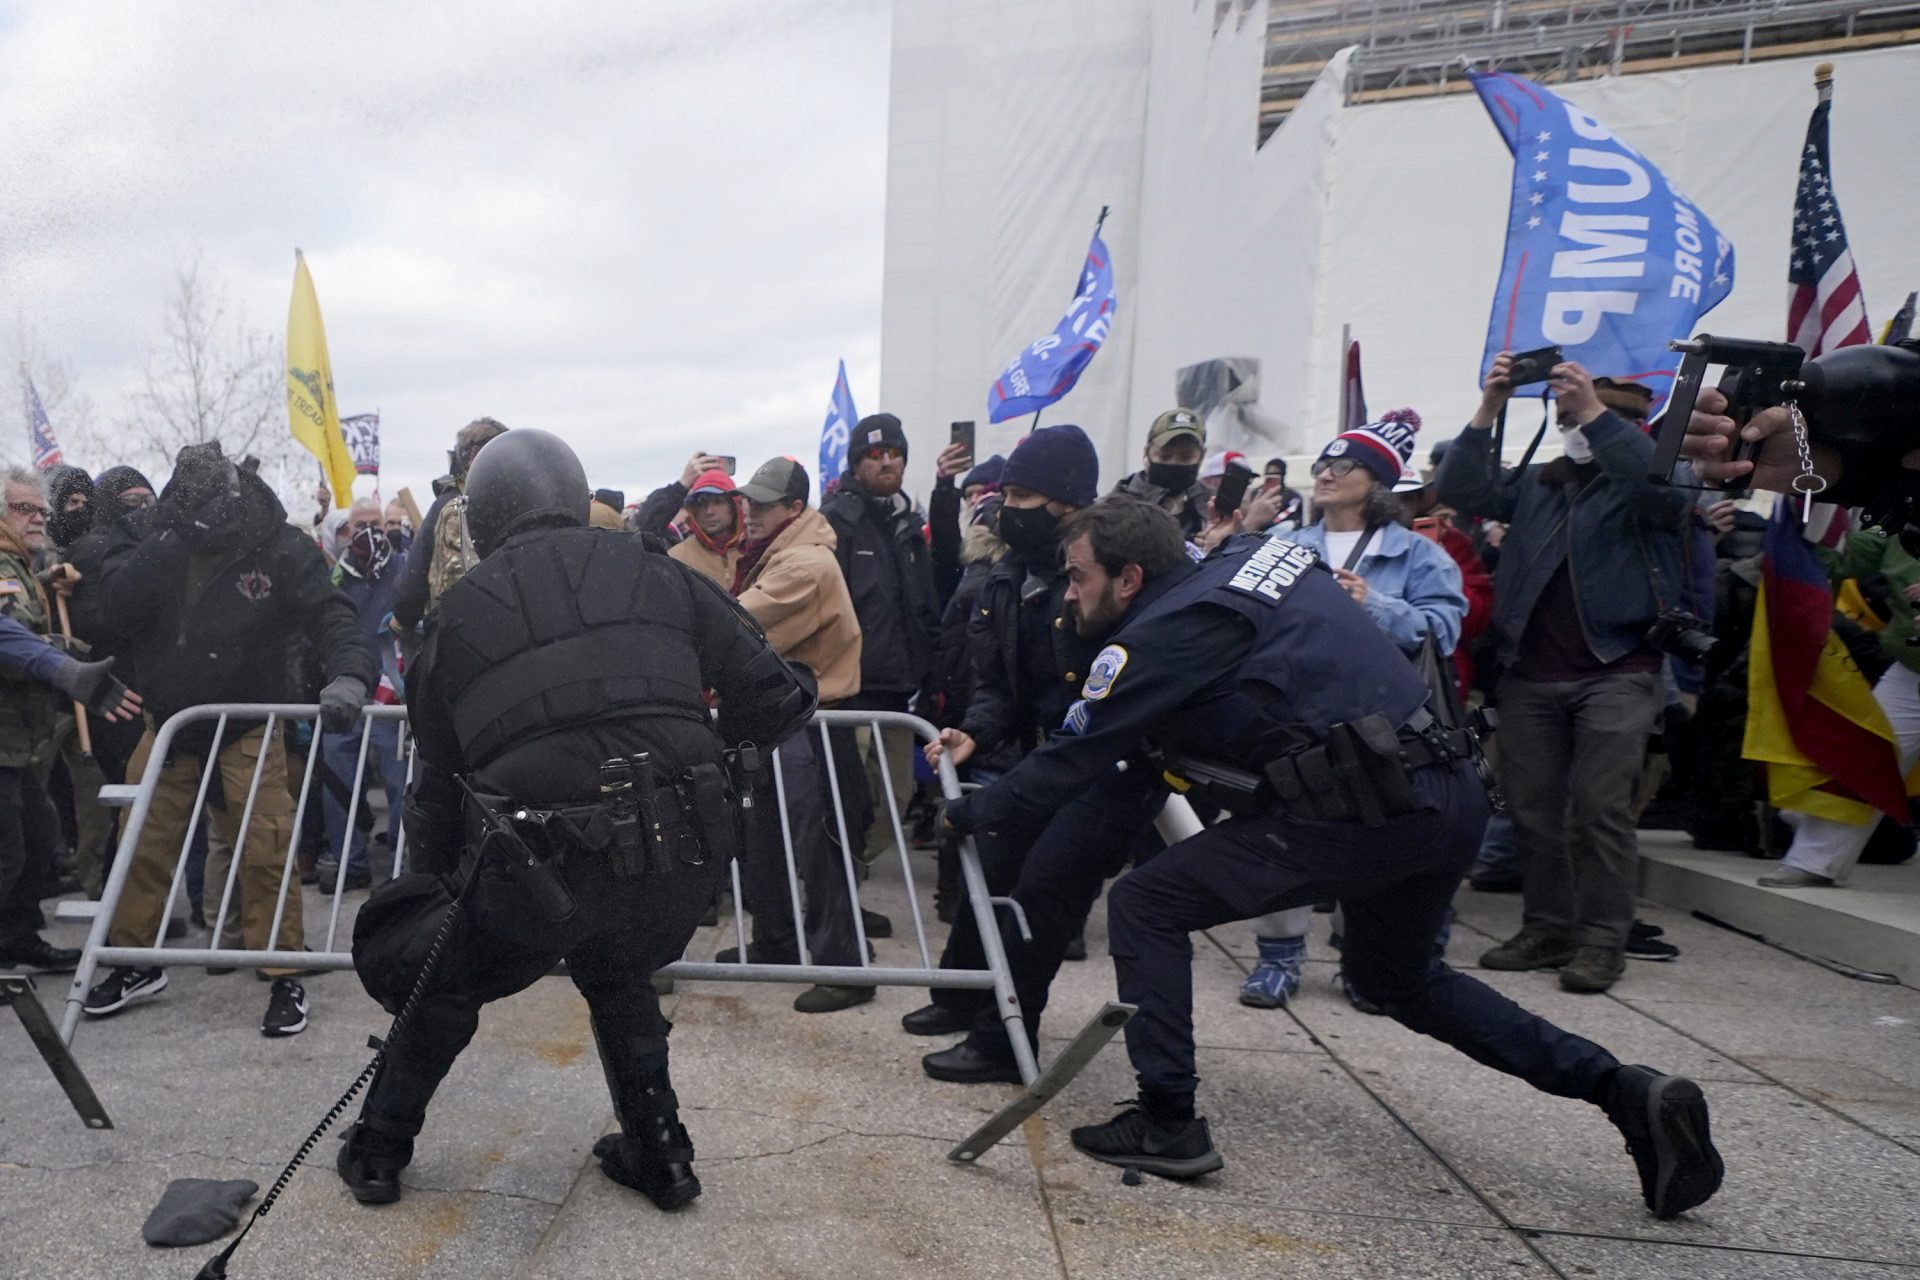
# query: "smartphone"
1232, 491
961, 433
728, 462
1427, 527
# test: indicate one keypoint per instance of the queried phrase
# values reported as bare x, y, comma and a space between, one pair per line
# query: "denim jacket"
1620, 536
1413, 585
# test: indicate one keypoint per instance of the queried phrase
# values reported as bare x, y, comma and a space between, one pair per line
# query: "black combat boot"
379, 1144
370, 1162
652, 1152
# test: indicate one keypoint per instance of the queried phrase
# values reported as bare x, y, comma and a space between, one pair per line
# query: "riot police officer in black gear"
564, 680
1253, 676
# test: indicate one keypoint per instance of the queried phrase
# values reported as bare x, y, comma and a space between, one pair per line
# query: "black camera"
1532, 366
1861, 404
1681, 635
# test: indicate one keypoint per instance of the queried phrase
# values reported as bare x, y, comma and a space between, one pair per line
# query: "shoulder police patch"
1273, 568
1106, 668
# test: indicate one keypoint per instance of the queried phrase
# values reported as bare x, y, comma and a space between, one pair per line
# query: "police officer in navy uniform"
1255, 674
565, 679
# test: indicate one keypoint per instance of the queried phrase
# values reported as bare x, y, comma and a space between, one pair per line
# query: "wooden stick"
79, 711
413, 510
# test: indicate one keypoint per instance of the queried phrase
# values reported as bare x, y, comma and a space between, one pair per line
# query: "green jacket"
28, 712
1871, 551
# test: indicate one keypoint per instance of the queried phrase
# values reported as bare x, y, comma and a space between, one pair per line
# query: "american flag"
1825, 308
46, 450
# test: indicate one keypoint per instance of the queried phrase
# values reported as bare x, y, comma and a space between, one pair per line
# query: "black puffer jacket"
224, 626
1028, 659
883, 553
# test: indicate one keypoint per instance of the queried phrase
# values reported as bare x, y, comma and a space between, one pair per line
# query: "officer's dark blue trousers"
1395, 884
1055, 871
621, 930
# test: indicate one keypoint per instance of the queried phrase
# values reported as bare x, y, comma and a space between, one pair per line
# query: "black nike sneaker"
1136, 1141
1664, 1119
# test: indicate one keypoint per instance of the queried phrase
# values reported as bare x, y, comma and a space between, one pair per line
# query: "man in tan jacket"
793, 587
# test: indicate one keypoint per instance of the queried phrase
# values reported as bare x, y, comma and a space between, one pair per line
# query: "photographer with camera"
1585, 601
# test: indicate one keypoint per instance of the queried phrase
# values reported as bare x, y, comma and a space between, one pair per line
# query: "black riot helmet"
523, 480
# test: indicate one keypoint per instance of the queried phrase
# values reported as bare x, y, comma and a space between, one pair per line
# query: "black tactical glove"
340, 704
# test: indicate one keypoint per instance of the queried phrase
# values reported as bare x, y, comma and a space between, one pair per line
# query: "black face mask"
1028, 529
137, 520
1174, 477
65, 527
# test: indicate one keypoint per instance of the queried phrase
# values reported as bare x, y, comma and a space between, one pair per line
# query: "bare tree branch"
209, 377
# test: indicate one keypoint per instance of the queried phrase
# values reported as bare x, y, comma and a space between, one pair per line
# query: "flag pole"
1346, 390
1823, 81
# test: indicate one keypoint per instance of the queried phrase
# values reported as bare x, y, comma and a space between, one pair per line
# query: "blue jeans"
339, 754
1497, 856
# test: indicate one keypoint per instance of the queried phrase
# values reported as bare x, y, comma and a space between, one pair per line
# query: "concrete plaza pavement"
1354, 1148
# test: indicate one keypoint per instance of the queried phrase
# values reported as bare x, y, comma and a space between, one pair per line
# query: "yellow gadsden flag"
311, 411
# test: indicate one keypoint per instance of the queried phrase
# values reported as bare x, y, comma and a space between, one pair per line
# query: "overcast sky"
647, 226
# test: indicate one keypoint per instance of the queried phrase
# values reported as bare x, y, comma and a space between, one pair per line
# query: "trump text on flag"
1605, 257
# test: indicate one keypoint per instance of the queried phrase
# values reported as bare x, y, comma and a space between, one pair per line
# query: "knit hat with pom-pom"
1384, 448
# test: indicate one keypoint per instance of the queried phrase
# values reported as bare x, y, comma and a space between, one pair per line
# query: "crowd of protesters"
1550, 592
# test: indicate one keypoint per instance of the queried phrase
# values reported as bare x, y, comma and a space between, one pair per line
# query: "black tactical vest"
560, 629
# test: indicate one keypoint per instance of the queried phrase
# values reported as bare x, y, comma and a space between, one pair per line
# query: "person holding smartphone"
1592, 556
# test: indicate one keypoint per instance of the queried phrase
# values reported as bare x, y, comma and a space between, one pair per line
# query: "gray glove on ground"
196, 1210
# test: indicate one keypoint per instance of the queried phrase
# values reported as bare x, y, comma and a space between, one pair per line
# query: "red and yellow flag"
1811, 716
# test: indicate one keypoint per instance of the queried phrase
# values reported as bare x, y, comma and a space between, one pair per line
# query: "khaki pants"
137, 921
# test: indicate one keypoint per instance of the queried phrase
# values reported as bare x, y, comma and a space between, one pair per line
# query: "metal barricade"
234, 722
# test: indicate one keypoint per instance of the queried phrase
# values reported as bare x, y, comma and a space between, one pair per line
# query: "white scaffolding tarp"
1012, 123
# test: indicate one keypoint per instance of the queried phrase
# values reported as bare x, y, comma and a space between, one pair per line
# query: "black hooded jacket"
224, 625
884, 556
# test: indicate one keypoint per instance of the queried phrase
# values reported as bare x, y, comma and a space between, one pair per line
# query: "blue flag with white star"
1605, 258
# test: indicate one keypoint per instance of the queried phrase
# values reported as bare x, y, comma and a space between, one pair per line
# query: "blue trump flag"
833, 435
1047, 370
1605, 258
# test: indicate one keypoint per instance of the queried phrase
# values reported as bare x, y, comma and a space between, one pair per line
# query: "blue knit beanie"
1059, 462
987, 473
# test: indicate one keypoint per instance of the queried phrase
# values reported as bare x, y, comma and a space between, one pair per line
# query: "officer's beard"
1096, 619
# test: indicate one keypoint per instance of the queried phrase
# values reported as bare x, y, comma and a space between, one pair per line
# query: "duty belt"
647, 822
1361, 773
